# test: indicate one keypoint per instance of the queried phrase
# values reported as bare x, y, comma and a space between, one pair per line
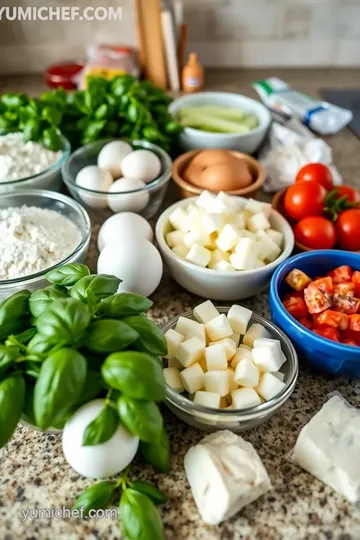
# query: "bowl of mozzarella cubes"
223, 247
227, 368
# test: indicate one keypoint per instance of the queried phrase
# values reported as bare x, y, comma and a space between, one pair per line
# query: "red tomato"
334, 319
315, 232
325, 284
307, 323
345, 304
354, 323
348, 229
341, 274
316, 301
351, 194
294, 294
297, 279
296, 307
350, 334
347, 288
329, 333
317, 172
304, 199
356, 281
348, 341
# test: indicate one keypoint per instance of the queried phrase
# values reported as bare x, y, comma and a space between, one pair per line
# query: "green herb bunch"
121, 107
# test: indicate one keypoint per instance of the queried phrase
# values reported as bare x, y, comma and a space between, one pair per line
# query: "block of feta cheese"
253, 207
269, 386
243, 398
225, 474
173, 340
328, 447
241, 354
239, 318
247, 374
174, 238
180, 250
216, 357
190, 351
217, 381
199, 255
205, 312
228, 237
189, 328
219, 328
192, 378
267, 354
255, 331
207, 399
172, 378
178, 219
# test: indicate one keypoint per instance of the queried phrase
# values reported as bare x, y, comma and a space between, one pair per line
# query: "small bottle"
192, 75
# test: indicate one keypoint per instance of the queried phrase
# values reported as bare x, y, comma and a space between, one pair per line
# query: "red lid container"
63, 74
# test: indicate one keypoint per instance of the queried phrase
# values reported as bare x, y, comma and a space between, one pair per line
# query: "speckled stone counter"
33, 471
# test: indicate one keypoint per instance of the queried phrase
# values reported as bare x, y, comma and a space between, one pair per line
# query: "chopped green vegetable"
217, 119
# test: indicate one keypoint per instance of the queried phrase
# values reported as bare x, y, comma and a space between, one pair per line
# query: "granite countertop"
34, 473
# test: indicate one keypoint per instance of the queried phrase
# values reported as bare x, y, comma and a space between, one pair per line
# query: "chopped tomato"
347, 288
356, 281
342, 274
345, 304
297, 279
294, 294
329, 333
334, 319
307, 323
348, 341
316, 300
354, 323
325, 284
351, 334
296, 307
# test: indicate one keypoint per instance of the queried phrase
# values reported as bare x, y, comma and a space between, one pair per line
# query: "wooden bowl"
185, 189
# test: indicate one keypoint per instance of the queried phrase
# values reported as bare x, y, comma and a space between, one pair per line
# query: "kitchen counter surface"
34, 473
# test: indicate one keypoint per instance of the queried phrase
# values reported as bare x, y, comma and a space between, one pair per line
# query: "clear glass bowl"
237, 420
48, 179
147, 200
51, 201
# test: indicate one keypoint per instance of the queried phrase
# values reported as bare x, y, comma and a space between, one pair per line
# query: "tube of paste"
319, 116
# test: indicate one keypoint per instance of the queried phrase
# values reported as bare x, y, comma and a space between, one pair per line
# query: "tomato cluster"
329, 306
324, 215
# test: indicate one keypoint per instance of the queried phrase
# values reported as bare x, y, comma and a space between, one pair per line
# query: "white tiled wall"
251, 33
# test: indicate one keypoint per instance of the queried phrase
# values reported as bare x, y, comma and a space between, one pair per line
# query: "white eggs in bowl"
126, 195
112, 155
123, 225
93, 179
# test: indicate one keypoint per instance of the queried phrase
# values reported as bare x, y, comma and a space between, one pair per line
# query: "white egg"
138, 263
94, 178
126, 224
111, 155
133, 202
141, 165
100, 460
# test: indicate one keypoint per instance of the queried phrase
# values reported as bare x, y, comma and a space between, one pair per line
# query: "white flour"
33, 239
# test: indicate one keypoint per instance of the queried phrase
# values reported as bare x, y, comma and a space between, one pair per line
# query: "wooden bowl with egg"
217, 170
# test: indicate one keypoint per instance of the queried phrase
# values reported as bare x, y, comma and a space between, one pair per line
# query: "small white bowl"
192, 139
215, 284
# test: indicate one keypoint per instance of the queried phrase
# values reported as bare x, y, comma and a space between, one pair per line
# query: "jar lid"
63, 74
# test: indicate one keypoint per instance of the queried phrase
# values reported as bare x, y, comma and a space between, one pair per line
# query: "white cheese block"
205, 312
269, 386
194, 237
215, 357
239, 318
237, 220
241, 354
329, 447
173, 340
206, 200
223, 266
254, 207
268, 356
207, 399
228, 238
180, 250
245, 254
194, 217
245, 397
172, 378
172, 362
199, 255
247, 374
189, 328
230, 347
279, 375
217, 381
175, 238
229, 200
258, 222
267, 249
236, 338
217, 255
225, 474
218, 328
211, 223
276, 236
192, 378
190, 351
233, 385
255, 331
178, 219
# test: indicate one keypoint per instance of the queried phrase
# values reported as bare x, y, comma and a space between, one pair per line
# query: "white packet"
320, 116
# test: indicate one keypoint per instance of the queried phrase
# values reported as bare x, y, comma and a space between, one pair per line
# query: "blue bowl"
322, 353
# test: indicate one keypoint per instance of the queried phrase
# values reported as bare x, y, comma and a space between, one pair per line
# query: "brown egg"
225, 176
192, 173
206, 158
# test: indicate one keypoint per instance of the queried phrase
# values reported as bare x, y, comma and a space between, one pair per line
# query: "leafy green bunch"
121, 107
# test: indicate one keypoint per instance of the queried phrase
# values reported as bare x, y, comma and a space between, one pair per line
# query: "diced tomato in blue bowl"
322, 353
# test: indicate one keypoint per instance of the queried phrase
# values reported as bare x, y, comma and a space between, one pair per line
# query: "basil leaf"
102, 428
65, 321
25, 337
137, 375
124, 304
12, 395
157, 454
95, 497
139, 517
28, 407
40, 300
92, 387
14, 307
67, 275
8, 356
151, 339
151, 491
11, 327
141, 418
109, 335
95, 286
40, 345
58, 388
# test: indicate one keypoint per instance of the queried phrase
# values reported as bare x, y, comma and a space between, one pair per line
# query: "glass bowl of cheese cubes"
227, 368
223, 247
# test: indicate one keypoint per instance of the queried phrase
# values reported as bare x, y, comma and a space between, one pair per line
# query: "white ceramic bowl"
214, 284
192, 139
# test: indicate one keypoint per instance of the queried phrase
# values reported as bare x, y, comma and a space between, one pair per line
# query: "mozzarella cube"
205, 312
236, 338
206, 200
190, 351
194, 217
216, 357
217, 255
268, 356
247, 374
207, 399
278, 375
241, 354
245, 254
172, 362
233, 385
178, 219
228, 237
211, 223
217, 381
255, 207
267, 249
259, 263
189, 328
192, 378
173, 340
244, 397
194, 237
276, 236
247, 234
258, 222
230, 347
172, 379
199, 255
221, 207
223, 266
180, 250
239, 318
175, 238
255, 331
269, 386
229, 200
237, 220
218, 328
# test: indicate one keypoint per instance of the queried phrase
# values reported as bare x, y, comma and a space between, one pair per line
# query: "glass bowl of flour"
39, 230
29, 164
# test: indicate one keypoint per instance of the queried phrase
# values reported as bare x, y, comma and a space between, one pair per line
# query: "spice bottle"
192, 74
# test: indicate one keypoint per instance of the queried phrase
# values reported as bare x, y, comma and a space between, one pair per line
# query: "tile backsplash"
228, 33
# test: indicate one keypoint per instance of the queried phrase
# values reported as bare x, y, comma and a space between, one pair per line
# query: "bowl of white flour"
29, 164
39, 230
